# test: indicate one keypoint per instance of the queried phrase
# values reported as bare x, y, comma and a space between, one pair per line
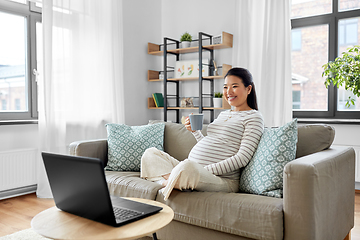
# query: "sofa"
317, 203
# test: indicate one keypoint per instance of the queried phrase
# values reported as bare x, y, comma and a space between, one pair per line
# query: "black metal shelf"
154, 49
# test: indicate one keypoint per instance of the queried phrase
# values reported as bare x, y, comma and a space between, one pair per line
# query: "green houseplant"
218, 95
217, 99
345, 70
185, 40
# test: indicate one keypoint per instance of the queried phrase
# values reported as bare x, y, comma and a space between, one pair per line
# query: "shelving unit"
153, 76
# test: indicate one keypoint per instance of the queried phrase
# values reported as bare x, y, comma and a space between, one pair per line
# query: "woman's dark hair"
247, 80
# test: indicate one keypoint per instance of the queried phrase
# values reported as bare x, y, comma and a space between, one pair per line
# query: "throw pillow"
126, 144
264, 173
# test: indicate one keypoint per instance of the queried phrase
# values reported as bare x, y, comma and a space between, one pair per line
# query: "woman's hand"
188, 125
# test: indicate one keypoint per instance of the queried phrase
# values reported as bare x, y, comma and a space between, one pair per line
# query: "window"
296, 40
306, 68
348, 32
306, 8
3, 104
296, 99
346, 5
18, 93
321, 31
17, 104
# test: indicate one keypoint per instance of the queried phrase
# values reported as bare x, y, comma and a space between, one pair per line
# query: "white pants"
183, 175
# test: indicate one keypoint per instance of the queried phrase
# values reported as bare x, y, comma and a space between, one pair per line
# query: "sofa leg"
348, 237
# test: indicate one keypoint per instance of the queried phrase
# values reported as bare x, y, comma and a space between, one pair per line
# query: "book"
158, 99
154, 100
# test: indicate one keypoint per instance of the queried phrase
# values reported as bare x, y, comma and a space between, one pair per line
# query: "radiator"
18, 168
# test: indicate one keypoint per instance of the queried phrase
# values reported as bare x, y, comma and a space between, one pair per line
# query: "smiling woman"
239, 89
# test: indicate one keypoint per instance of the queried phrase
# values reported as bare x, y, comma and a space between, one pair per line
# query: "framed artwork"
190, 68
217, 39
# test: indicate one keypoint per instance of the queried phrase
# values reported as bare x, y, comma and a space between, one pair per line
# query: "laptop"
79, 187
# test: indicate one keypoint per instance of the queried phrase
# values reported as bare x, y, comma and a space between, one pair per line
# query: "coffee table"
56, 224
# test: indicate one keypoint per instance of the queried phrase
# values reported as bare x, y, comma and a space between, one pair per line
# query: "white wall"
208, 16
142, 24
15, 137
348, 135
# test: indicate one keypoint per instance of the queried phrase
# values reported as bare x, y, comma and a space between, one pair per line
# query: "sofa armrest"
319, 195
91, 148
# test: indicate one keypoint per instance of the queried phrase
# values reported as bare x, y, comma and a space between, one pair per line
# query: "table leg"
154, 236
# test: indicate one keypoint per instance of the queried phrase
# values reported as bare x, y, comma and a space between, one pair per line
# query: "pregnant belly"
210, 150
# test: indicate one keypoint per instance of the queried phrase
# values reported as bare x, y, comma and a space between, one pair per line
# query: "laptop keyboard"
122, 214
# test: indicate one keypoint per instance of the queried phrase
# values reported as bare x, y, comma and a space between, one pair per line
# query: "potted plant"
345, 70
185, 40
217, 99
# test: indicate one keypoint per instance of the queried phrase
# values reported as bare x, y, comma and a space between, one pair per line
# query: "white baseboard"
17, 192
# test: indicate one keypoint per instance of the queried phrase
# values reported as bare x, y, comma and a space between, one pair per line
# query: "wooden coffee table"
56, 224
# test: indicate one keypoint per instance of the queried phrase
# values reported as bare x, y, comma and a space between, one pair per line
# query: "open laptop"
79, 187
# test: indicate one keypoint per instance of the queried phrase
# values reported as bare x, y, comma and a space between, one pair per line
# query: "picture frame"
187, 102
190, 68
217, 39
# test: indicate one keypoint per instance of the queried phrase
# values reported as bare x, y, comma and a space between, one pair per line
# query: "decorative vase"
185, 44
217, 102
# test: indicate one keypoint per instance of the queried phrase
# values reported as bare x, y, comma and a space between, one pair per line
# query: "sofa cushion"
314, 138
129, 184
178, 141
248, 215
264, 173
126, 144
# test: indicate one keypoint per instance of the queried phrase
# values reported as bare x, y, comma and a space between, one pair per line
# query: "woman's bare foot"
164, 183
166, 176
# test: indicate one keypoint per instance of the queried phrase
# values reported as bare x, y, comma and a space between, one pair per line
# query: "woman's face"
236, 93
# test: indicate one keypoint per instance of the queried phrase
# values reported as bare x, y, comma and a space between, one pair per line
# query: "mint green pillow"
126, 144
264, 173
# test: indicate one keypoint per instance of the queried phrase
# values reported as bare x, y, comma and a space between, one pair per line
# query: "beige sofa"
318, 201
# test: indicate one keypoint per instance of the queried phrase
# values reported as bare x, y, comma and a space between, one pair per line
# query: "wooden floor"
16, 213
355, 232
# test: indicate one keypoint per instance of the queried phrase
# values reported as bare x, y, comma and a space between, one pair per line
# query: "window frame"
31, 19
332, 20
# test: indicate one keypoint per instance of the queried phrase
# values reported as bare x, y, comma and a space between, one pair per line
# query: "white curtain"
81, 88
262, 44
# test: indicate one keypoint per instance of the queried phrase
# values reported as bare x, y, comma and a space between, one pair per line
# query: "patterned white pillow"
126, 144
264, 173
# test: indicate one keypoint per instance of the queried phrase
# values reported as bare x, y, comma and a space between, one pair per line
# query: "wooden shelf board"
157, 53
217, 46
186, 79
183, 79
173, 108
190, 49
214, 77
184, 50
209, 108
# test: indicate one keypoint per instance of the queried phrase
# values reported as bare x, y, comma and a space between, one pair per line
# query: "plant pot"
185, 44
217, 102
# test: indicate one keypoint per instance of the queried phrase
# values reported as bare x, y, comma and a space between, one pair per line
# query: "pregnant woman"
214, 163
